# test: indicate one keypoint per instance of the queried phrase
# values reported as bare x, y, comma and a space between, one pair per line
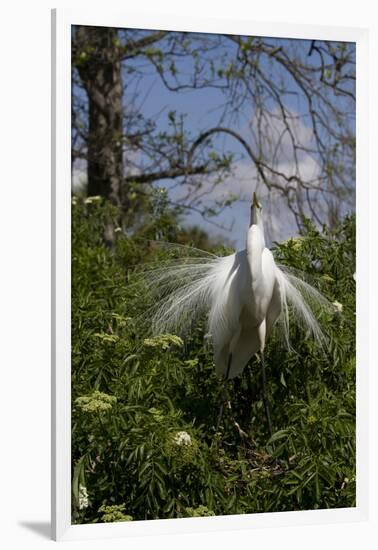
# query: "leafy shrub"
144, 409
113, 513
201, 511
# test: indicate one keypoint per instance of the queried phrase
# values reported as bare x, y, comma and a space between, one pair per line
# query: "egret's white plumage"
243, 295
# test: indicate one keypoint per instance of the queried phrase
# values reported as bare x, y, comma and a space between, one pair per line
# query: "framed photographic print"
210, 195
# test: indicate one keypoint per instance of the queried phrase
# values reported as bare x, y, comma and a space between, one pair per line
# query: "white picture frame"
61, 273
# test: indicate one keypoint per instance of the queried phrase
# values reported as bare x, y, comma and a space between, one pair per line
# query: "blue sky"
202, 111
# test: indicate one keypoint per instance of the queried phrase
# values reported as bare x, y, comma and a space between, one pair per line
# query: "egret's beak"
255, 202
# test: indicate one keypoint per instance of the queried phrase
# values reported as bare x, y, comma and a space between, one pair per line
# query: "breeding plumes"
244, 295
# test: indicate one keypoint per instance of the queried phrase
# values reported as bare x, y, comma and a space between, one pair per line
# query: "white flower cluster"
338, 306
182, 438
83, 497
94, 198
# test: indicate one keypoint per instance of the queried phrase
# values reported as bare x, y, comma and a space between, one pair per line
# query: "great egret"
243, 295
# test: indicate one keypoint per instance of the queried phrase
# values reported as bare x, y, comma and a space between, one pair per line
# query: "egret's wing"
180, 292
275, 306
183, 289
229, 290
246, 344
177, 249
303, 301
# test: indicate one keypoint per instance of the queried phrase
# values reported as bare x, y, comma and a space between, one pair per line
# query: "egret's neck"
257, 220
255, 247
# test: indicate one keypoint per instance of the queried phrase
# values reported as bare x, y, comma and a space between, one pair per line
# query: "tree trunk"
99, 66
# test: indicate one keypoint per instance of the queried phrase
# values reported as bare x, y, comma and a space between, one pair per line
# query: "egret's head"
256, 211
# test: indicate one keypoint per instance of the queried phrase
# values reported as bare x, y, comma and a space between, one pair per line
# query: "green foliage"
144, 409
96, 402
200, 511
181, 448
114, 513
163, 341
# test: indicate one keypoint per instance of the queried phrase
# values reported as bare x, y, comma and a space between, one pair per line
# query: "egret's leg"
224, 393
262, 335
265, 397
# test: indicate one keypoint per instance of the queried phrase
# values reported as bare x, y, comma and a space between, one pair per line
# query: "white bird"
243, 295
